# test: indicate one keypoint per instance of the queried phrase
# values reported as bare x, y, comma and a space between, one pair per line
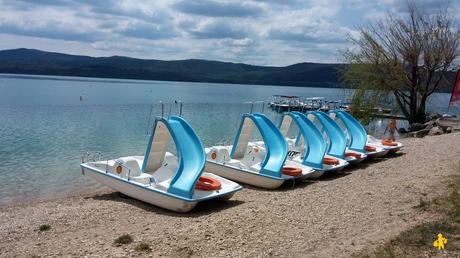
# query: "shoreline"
40, 200
152, 81
328, 217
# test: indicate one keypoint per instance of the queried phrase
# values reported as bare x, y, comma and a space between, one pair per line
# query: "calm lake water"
45, 128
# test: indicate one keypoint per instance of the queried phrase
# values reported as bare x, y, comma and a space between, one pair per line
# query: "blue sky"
271, 32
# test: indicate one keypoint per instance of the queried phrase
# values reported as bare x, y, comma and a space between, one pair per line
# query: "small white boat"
282, 103
312, 103
160, 178
250, 163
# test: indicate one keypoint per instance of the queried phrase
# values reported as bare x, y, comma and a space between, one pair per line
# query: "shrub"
44, 227
123, 240
142, 247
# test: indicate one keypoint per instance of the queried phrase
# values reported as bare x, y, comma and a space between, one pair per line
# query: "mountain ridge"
38, 62
307, 74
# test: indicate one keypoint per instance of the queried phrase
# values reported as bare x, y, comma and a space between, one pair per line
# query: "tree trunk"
400, 101
421, 111
413, 95
413, 108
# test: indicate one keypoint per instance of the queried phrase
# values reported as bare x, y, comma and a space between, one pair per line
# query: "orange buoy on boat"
330, 161
370, 148
207, 184
353, 154
389, 143
292, 171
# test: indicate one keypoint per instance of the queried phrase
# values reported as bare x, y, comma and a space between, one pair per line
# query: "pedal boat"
360, 140
160, 178
308, 147
247, 162
391, 146
335, 138
356, 135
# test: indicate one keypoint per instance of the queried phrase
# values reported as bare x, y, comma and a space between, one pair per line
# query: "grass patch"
123, 240
143, 247
423, 205
418, 241
44, 227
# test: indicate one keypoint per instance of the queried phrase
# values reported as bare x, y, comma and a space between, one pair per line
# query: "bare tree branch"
408, 56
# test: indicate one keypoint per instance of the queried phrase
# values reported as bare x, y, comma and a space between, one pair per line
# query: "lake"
45, 128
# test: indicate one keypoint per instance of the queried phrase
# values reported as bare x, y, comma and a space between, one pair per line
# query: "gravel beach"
335, 216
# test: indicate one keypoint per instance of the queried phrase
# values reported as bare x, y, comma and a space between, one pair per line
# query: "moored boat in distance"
282, 103
285, 103
312, 103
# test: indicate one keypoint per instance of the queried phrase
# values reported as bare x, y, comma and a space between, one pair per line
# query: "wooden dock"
389, 116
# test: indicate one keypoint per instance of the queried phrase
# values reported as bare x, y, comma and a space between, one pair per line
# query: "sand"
332, 217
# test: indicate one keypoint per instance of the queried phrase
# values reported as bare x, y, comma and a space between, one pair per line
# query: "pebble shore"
335, 216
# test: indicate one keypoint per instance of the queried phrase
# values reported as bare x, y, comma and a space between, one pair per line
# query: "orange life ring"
330, 161
207, 184
119, 169
370, 148
292, 171
353, 154
389, 143
213, 156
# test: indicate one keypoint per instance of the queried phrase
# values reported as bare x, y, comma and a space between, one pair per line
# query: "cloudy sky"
270, 32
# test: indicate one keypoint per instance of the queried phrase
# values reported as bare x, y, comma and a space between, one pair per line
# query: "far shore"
336, 216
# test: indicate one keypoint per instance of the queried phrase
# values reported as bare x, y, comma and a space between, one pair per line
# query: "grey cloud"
219, 30
281, 2
147, 31
96, 8
48, 2
219, 9
113, 8
423, 5
233, 30
25, 5
49, 32
245, 42
303, 36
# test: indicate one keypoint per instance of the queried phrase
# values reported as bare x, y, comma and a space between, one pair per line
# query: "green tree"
404, 55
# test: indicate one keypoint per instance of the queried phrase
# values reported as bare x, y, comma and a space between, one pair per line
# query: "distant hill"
31, 61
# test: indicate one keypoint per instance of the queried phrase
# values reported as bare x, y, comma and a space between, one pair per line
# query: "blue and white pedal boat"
372, 141
335, 137
247, 162
160, 178
308, 147
359, 140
